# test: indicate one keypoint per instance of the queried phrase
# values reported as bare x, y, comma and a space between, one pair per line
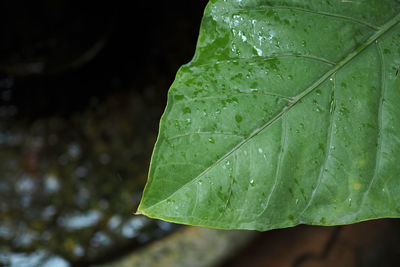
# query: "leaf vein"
203, 133
180, 163
379, 135
188, 99
329, 138
310, 11
266, 58
278, 168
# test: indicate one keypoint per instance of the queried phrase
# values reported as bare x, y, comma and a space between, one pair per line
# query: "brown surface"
188, 247
366, 244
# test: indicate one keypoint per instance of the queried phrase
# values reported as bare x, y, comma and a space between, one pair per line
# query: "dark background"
57, 55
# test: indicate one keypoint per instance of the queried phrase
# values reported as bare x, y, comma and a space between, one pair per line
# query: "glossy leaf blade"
287, 114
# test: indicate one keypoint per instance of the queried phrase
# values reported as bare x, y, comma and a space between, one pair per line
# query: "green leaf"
287, 114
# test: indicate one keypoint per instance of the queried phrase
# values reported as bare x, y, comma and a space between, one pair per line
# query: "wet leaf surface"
287, 114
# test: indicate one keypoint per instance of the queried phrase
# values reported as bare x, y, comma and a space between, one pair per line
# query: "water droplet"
238, 118
332, 106
321, 147
252, 182
211, 140
259, 51
260, 150
290, 191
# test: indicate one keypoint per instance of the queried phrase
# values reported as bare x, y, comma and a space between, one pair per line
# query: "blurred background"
82, 88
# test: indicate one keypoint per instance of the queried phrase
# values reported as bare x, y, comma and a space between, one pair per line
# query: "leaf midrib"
385, 28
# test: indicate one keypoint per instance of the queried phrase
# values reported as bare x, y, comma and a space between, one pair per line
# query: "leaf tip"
138, 213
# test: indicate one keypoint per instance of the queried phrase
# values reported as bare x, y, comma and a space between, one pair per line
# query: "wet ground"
81, 93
